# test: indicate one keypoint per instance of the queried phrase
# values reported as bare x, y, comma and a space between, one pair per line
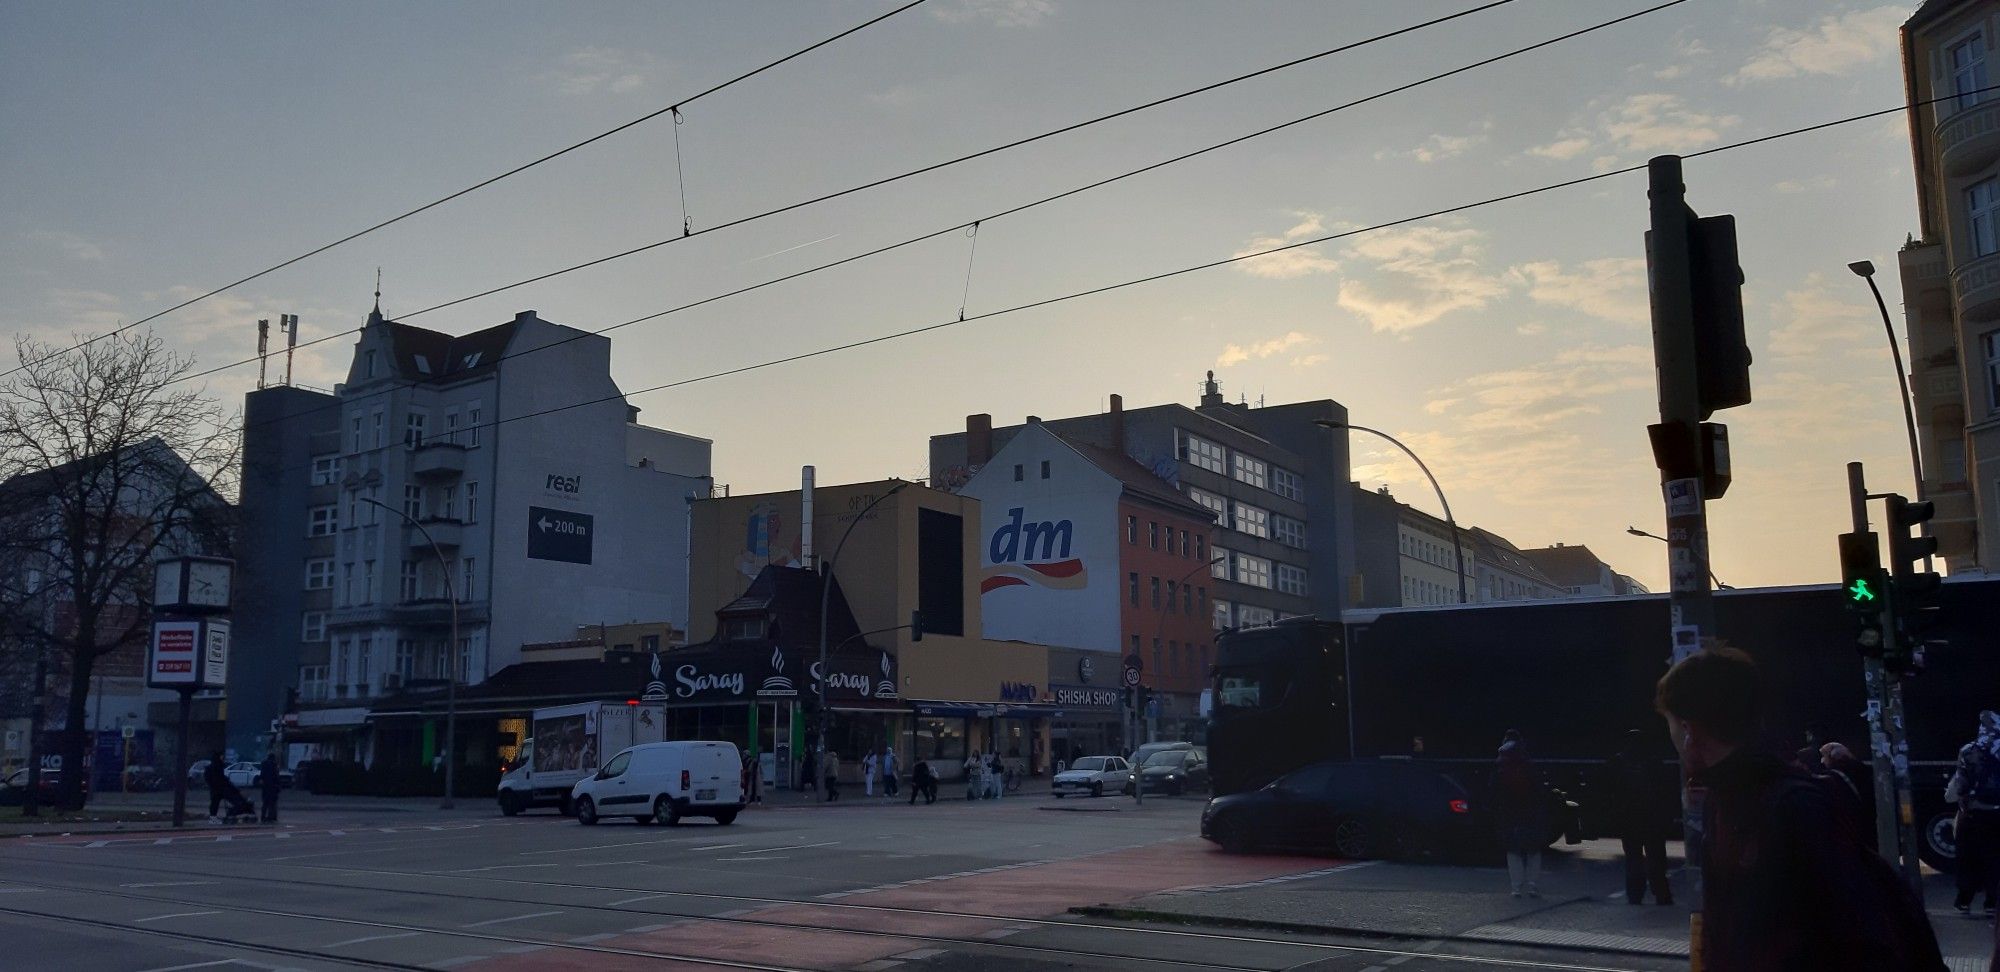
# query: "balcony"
436, 611
448, 533
1969, 139
437, 459
1976, 283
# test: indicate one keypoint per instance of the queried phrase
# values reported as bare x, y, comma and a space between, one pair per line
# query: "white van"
663, 782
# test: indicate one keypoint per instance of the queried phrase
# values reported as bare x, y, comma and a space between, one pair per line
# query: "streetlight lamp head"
1635, 531
1862, 268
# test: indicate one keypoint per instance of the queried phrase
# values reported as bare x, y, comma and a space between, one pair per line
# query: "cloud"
1419, 275
1653, 122
1440, 146
1301, 261
1000, 13
1562, 149
1237, 353
73, 246
1531, 328
1307, 361
1835, 45
1612, 288
590, 70
1685, 51
1814, 324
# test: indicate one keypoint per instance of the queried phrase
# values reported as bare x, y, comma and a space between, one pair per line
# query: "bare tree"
107, 464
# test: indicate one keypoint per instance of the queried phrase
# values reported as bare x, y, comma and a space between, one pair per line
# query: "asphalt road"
862, 886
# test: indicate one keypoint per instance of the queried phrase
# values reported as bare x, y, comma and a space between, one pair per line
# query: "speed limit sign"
1131, 677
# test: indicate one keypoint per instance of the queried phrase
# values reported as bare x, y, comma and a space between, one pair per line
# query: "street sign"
215, 653
562, 535
128, 731
1131, 676
172, 661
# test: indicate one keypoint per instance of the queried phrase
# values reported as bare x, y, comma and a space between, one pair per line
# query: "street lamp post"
1719, 585
1866, 271
825, 592
1457, 542
451, 656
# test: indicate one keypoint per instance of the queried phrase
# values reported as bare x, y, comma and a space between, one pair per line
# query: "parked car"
14, 790
1172, 771
1091, 774
252, 774
1366, 809
1140, 755
663, 782
140, 778
196, 770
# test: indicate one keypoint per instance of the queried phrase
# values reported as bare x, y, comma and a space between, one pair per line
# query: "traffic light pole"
1888, 742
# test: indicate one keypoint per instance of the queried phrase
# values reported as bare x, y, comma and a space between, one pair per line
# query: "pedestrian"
830, 772
1521, 810
923, 783
807, 778
1785, 884
218, 785
889, 771
268, 776
996, 777
1642, 808
1975, 788
1855, 779
975, 776
870, 765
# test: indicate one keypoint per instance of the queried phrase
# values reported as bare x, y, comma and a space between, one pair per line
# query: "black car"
1354, 809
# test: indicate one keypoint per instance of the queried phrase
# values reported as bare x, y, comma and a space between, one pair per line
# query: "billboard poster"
172, 660
215, 653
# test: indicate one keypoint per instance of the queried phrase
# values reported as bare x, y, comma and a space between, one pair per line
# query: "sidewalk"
851, 795
128, 812
1582, 906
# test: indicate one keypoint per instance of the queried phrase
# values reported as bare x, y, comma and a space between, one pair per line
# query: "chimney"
806, 517
1034, 420
1211, 393
1118, 423
978, 439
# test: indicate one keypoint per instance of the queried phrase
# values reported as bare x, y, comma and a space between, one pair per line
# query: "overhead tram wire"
982, 153
956, 226
1183, 271
475, 187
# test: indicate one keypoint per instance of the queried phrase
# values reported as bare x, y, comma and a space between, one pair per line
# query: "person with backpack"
1786, 883
1975, 788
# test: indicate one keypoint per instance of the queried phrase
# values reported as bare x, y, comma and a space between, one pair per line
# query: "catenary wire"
475, 187
963, 225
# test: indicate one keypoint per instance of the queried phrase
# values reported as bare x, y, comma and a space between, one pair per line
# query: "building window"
1156, 593
1989, 345
451, 426
362, 649
1045, 469
1135, 644
321, 521
355, 440
1132, 587
1187, 599
1221, 614
1158, 656
472, 502
413, 502
472, 426
312, 626
1132, 530
1017, 472
1184, 543
319, 575
1215, 504
1252, 520
447, 498
413, 428
1219, 565
1951, 461
1198, 544
326, 470
1968, 70
406, 658
368, 582
1202, 453
1254, 571
312, 682
1290, 532
465, 588
1173, 598
408, 589
1174, 657
1153, 534
743, 629
1981, 200
1287, 483
347, 583
1292, 579
378, 428
1250, 615
369, 359
1252, 471
343, 667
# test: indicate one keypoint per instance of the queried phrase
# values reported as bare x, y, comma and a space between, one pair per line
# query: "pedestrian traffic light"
1722, 354
1915, 588
1863, 588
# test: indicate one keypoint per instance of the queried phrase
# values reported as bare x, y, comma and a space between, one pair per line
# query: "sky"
156, 151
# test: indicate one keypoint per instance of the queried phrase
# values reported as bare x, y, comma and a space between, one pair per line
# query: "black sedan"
1357, 810
1172, 772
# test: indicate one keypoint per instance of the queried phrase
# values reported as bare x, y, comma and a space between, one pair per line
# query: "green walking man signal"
1861, 591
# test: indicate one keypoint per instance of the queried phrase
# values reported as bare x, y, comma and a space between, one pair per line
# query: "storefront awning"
986, 710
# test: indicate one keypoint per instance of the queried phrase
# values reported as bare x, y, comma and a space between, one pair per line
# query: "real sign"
562, 535
172, 660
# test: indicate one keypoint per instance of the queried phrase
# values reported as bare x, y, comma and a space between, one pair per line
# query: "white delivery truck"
567, 743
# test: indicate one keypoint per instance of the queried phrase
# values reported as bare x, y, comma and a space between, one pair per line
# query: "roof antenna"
378, 291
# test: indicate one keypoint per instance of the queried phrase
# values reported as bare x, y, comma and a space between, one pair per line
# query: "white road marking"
193, 965
97, 843
599, 937
715, 846
164, 884
281, 835
369, 938
163, 841
643, 897
643, 929
1398, 960
918, 955
494, 867
502, 921
18, 890
775, 857
823, 843
578, 850
607, 863
177, 914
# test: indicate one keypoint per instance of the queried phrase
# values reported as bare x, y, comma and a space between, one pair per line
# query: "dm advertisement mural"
1048, 546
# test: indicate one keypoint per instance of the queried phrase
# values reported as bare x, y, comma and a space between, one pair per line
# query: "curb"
1302, 928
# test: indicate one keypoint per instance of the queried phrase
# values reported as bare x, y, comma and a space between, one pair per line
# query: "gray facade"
1277, 482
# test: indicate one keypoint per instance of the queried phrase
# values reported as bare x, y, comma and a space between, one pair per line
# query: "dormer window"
423, 365
370, 359
743, 629
472, 359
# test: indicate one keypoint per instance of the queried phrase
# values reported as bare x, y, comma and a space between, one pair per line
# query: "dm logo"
1027, 552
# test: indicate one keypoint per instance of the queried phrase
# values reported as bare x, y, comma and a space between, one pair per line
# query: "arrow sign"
560, 535
544, 524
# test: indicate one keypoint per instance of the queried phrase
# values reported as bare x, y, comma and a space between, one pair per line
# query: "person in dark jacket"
1521, 811
270, 782
1786, 885
221, 791
1642, 811
1857, 778
809, 771
923, 783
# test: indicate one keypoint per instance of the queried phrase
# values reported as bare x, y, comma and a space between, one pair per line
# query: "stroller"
236, 808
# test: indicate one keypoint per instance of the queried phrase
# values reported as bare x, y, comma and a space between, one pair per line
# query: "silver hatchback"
1091, 775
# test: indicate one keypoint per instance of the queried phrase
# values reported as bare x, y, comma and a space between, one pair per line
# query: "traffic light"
916, 626
1722, 354
1914, 589
1863, 588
